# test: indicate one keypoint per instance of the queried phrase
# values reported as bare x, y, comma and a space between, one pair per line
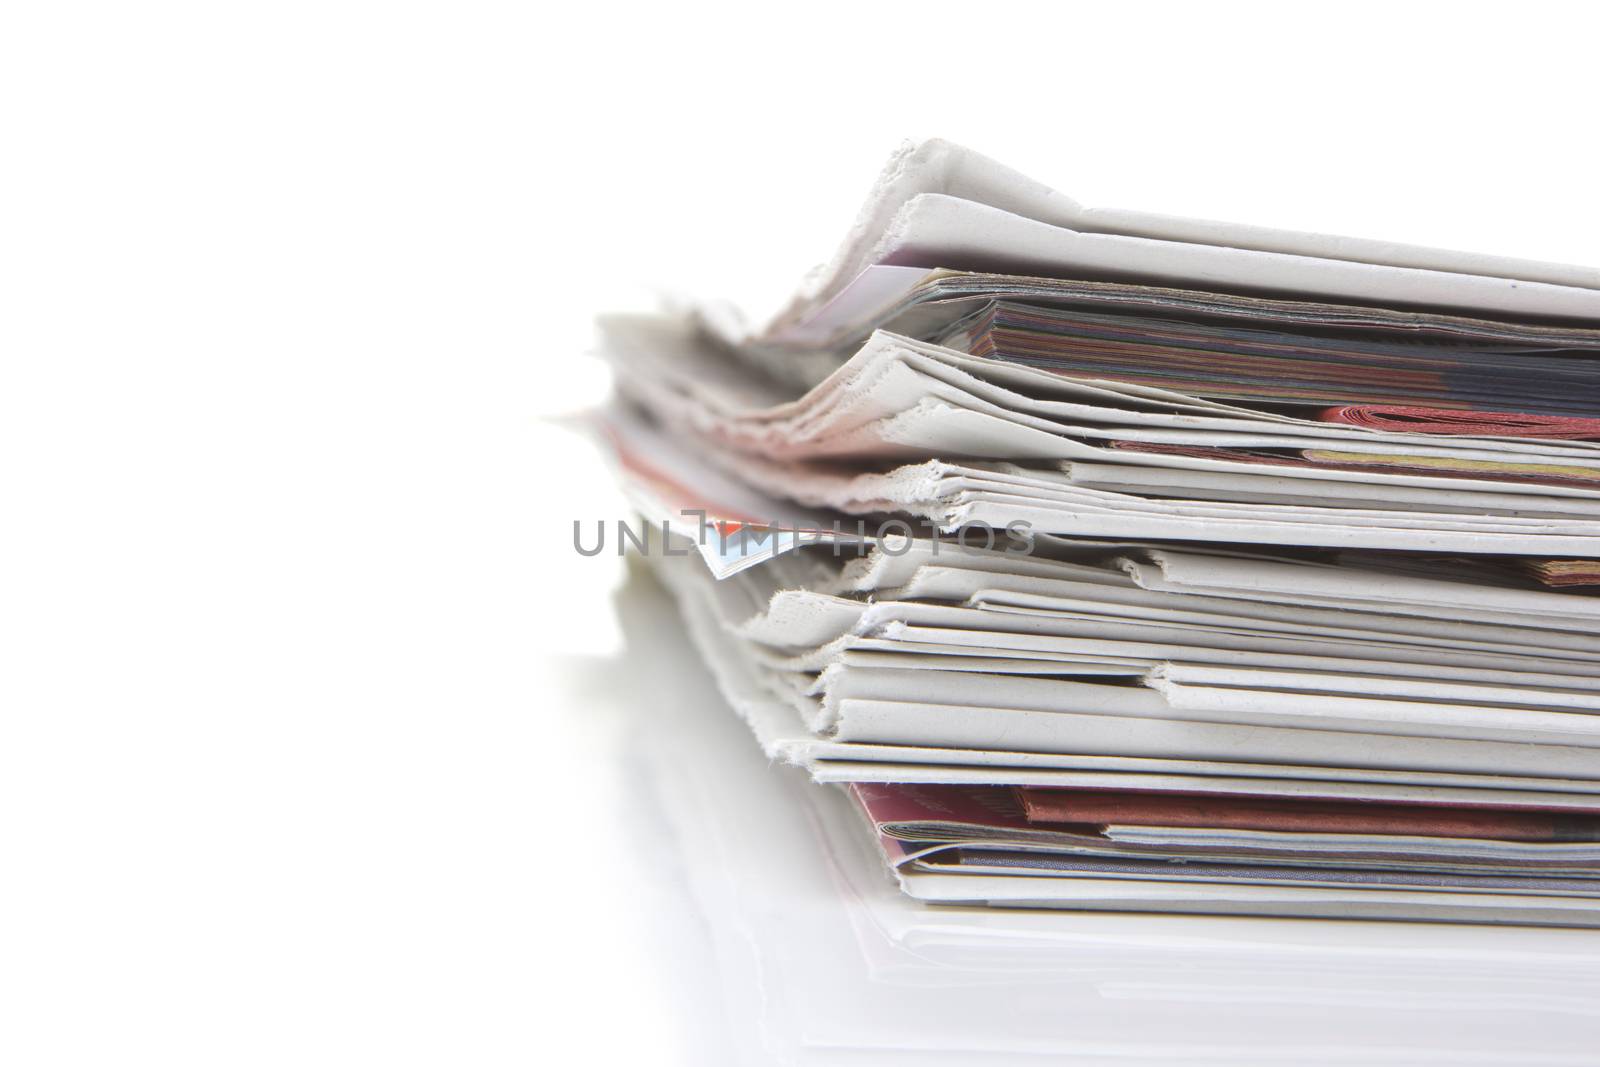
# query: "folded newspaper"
1122, 562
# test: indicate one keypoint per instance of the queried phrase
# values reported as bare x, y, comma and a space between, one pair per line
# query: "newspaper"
1272, 545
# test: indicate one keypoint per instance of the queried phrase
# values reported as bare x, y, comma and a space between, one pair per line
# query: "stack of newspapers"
1124, 562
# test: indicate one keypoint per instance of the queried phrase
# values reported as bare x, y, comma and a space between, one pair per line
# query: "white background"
286, 772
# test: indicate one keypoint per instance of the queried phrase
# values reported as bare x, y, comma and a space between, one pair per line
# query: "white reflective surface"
793, 946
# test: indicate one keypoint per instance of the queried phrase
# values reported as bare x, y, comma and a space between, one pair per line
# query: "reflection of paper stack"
1288, 532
